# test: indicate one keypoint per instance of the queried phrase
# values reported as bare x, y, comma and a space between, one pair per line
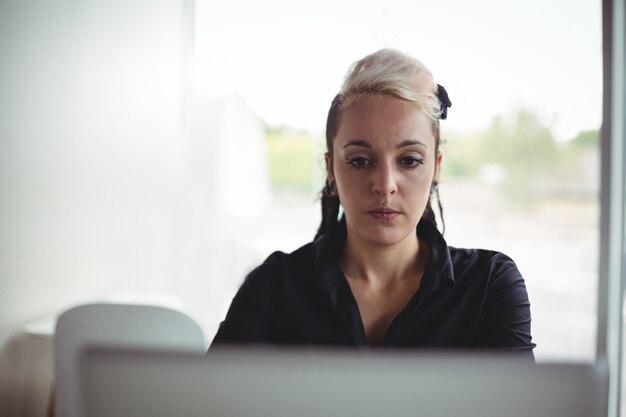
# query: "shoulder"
280, 265
463, 268
277, 273
490, 267
480, 258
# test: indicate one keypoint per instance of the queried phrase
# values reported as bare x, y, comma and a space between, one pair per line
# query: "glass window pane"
521, 158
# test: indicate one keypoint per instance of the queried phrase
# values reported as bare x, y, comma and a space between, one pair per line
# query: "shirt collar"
327, 253
439, 270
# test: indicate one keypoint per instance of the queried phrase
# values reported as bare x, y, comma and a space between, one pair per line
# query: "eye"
359, 162
411, 161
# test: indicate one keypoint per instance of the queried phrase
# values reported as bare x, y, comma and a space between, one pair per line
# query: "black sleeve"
252, 314
505, 322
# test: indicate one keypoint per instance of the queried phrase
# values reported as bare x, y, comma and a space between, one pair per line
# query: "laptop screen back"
241, 383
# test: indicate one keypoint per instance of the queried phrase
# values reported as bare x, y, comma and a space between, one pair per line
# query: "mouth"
384, 214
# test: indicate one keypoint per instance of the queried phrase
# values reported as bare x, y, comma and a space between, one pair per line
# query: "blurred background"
156, 151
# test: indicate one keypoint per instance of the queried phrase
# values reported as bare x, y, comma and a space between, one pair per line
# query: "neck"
383, 266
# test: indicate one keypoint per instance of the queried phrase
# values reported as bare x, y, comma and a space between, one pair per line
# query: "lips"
384, 214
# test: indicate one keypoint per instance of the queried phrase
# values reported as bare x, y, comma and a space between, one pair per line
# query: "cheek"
346, 187
417, 187
350, 186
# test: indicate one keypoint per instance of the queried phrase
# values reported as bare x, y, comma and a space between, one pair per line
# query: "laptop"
307, 383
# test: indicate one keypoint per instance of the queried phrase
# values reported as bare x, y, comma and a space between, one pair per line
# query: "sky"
287, 59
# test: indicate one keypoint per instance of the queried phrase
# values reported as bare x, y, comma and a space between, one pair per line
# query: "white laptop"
303, 383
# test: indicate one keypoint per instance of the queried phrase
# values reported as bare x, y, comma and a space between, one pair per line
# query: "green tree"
586, 138
578, 167
520, 145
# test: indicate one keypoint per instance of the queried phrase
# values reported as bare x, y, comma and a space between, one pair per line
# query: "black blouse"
468, 298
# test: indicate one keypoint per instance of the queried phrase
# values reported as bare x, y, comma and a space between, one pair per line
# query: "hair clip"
444, 100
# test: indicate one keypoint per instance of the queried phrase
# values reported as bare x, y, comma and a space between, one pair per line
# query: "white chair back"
114, 325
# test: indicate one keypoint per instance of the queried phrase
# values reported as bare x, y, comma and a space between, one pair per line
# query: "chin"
388, 235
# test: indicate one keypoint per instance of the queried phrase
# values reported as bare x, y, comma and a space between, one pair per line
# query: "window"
521, 159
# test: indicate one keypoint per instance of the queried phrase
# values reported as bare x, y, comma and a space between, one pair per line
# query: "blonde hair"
391, 73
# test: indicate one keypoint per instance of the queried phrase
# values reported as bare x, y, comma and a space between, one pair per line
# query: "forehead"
384, 121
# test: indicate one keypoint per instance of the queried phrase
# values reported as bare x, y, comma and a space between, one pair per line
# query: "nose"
384, 181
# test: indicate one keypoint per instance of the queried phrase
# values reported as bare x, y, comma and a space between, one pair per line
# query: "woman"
382, 274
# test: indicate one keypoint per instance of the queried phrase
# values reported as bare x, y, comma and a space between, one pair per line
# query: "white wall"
89, 145
108, 182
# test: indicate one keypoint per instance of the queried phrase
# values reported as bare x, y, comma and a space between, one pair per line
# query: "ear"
438, 160
329, 167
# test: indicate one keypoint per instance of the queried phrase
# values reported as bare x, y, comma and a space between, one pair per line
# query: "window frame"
612, 202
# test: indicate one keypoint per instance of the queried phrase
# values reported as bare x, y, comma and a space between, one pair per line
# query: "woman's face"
384, 162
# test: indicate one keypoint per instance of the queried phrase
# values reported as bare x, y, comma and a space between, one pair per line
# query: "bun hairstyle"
390, 73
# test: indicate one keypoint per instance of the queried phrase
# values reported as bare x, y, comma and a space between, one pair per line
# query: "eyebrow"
411, 142
403, 144
359, 143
